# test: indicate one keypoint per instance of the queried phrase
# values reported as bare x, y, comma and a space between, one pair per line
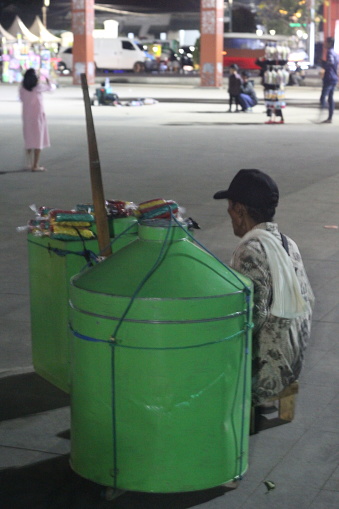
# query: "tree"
279, 14
243, 20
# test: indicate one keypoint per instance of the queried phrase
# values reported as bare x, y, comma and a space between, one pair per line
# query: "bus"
244, 49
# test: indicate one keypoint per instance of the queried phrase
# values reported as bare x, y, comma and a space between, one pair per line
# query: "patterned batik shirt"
278, 344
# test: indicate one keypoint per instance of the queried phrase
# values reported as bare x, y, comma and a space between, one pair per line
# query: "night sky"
58, 12
58, 17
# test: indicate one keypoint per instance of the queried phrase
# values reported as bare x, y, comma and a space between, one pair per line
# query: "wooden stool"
285, 408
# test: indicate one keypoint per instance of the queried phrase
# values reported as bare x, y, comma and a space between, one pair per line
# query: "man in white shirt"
283, 298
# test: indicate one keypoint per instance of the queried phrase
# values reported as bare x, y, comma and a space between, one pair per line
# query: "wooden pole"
96, 181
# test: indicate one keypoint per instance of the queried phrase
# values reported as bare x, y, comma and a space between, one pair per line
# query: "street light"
311, 31
44, 12
230, 13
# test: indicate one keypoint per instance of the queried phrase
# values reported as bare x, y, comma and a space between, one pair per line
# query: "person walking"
283, 299
330, 80
35, 130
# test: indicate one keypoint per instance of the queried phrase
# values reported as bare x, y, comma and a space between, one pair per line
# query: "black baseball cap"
253, 188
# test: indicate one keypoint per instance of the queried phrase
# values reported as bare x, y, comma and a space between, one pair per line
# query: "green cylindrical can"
160, 394
52, 263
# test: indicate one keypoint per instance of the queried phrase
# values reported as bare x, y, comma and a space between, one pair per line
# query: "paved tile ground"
186, 147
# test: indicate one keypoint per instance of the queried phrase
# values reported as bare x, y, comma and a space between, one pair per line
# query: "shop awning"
9, 37
18, 27
39, 30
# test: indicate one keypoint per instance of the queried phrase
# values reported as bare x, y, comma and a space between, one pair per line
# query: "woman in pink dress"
35, 129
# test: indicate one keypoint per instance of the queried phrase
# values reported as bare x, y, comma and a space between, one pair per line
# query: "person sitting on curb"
247, 96
296, 77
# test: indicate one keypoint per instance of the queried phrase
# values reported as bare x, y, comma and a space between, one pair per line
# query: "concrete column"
331, 15
211, 42
82, 28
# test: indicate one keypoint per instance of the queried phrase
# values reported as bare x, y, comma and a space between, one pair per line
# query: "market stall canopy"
39, 30
18, 27
9, 37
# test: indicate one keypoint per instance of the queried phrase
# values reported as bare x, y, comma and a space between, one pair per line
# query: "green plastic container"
160, 398
50, 272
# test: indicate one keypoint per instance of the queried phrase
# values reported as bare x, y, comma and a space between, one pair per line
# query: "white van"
120, 53
114, 54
